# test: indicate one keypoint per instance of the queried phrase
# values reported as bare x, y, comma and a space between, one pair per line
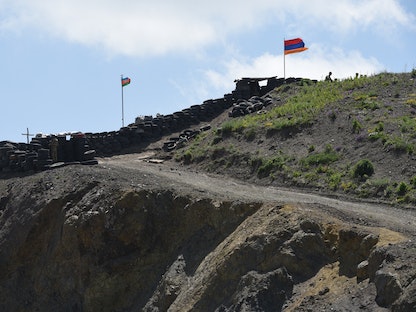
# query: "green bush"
363, 168
402, 189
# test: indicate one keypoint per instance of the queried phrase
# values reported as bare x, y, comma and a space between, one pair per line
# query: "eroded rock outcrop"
86, 241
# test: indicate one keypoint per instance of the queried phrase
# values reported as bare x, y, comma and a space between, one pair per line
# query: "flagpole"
122, 102
284, 61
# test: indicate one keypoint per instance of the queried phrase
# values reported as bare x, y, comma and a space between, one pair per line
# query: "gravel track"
174, 176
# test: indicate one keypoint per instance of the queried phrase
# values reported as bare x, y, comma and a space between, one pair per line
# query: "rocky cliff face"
91, 239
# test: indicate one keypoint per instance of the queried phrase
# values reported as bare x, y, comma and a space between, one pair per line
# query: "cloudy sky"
61, 60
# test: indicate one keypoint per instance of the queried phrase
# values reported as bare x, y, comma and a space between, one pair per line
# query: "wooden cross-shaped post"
27, 134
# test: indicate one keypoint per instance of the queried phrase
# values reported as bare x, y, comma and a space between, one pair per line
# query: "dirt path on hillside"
175, 176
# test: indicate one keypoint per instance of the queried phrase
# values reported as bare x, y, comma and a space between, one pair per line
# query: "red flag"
294, 46
125, 81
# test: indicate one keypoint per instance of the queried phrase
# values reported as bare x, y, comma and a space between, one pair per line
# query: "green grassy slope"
353, 136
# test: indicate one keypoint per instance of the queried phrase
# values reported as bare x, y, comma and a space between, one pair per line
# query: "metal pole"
122, 103
284, 61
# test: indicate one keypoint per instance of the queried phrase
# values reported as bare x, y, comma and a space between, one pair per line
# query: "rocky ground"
142, 231
130, 234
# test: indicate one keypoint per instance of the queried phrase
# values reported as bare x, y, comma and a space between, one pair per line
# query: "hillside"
354, 137
299, 200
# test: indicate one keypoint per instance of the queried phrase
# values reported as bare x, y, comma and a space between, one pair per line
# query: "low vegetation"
355, 136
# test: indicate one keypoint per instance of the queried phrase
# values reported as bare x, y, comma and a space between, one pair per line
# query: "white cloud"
146, 28
314, 64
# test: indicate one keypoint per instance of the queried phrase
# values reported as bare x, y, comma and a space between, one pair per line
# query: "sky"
61, 61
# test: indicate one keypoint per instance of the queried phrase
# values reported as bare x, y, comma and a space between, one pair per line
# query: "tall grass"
300, 109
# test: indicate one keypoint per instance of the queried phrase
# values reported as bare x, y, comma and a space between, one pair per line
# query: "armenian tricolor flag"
125, 81
294, 46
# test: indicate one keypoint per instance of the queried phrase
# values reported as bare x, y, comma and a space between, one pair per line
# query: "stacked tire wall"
147, 129
36, 155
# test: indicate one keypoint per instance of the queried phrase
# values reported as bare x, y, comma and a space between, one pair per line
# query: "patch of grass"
334, 180
348, 186
264, 167
191, 155
407, 124
355, 83
269, 165
300, 109
375, 187
366, 101
250, 134
411, 102
328, 156
227, 128
399, 144
377, 133
356, 126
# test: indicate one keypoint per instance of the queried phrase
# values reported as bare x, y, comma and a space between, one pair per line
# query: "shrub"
402, 189
334, 180
363, 168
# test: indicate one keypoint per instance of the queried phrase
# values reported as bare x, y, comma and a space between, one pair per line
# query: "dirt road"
172, 175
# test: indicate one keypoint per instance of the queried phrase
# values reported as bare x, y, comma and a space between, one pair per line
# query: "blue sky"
61, 61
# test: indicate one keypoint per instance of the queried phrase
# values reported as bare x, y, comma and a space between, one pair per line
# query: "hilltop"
301, 199
354, 137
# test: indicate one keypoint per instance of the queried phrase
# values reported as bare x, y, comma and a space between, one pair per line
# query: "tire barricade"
82, 148
184, 137
147, 129
41, 154
244, 107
